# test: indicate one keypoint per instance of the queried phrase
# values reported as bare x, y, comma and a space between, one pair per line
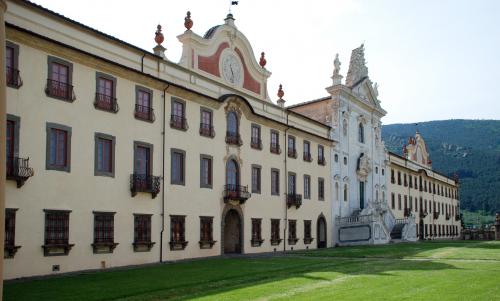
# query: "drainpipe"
163, 177
285, 228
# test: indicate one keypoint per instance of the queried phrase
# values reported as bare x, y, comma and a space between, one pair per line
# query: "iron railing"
106, 102
60, 90
19, 170
293, 199
144, 113
236, 192
144, 183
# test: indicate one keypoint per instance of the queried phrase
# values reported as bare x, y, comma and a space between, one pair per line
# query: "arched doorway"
321, 231
232, 236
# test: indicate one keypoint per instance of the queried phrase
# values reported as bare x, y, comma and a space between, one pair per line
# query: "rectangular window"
142, 230
307, 151
178, 117
275, 232
321, 155
59, 83
105, 97
307, 187
58, 147
399, 178
275, 182
255, 139
256, 178
292, 184
206, 123
275, 143
321, 189
399, 202
392, 176
206, 171
104, 232
256, 232
410, 180
307, 232
10, 247
206, 232
405, 182
393, 202
56, 227
292, 152
11, 65
104, 155
144, 104
177, 167
292, 232
14, 164
177, 232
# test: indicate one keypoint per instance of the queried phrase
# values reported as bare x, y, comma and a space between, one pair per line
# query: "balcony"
207, 130
233, 138
144, 113
19, 170
144, 183
293, 199
256, 143
178, 122
322, 161
436, 215
13, 79
236, 193
423, 214
292, 153
60, 90
275, 149
448, 216
307, 157
106, 103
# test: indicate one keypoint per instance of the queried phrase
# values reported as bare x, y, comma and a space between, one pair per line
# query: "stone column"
3, 8
497, 226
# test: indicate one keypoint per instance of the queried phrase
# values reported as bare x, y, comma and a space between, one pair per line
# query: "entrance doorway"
321, 232
232, 232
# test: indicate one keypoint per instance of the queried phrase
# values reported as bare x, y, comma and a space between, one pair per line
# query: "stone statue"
357, 66
336, 65
364, 167
375, 89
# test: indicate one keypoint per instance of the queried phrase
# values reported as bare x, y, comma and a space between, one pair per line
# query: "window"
410, 181
361, 133
255, 142
307, 232
307, 187
142, 232
307, 151
292, 152
12, 77
177, 232
178, 114
361, 195
292, 184
383, 171
376, 170
405, 182
10, 247
206, 171
232, 174
232, 132
399, 202
345, 160
399, 178
345, 192
59, 83
321, 155
336, 158
275, 142
275, 182
206, 232
321, 189
104, 232
256, 178
416, 183
292, 232
142, 180
144, 104
275, 232
104, 155
17, 168
105, 96
393, 201
393, 181
178, 167
256, 232
56, 232
58, 147
206, 123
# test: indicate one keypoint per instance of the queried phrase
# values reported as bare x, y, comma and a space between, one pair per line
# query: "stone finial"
188, 23
262, 61
281, 93
336, 77
159, 35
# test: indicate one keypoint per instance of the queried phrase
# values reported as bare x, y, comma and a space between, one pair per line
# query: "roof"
308, 102
210, 33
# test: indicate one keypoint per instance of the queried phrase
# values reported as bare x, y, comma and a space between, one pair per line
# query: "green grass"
421, 271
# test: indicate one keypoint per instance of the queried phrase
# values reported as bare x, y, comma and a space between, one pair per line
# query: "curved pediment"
225, 54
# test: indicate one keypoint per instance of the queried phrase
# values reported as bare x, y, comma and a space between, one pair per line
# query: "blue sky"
433, 60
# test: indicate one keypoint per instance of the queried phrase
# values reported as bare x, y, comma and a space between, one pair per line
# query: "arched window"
345, 192
232, 174
361, 133
232, 135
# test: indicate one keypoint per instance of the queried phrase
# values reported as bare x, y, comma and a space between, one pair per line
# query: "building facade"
417, 190
117, 156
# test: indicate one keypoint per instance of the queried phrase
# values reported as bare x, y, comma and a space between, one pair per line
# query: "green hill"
469, 147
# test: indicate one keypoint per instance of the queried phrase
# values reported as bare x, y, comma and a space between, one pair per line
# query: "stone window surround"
49, 126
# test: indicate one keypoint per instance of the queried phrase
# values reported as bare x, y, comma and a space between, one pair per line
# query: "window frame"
203, 129
256, 144
307, 192
257, 189
151, 117
321, 189
151, 152
50, 61
210, 171
49, 126
98, 172
51, 244
277, 171
206, 242
274, 149
15, 64
183, 126
143, 245
178, 240
275, 233
114, 104
256, 229
183, 169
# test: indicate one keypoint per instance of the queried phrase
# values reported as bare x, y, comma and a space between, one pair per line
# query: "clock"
231, 68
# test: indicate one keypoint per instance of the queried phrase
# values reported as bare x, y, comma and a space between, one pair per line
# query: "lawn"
420, 271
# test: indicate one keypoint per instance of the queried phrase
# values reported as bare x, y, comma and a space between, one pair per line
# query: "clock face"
231, 69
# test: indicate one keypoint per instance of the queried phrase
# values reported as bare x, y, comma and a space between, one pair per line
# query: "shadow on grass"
206, 277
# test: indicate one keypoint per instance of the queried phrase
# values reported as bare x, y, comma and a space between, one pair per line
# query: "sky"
432, 59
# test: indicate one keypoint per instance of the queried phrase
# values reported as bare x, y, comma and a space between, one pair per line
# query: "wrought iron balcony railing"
292, 153
19, 170
236, 193
106, 103
144, 113
233, 138
207, 130
307, 157
293, 199
256, 143
321, 161
144, 183
275, 149
178, 122
13, 79
60, 90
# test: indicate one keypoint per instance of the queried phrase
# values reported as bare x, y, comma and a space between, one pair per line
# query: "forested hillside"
469, 147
